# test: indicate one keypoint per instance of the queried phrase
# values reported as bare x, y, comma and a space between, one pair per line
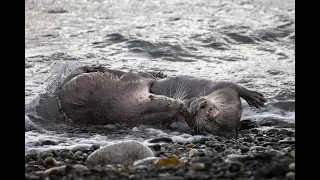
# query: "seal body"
105, 98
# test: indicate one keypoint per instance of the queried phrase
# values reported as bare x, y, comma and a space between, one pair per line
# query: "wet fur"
103, 98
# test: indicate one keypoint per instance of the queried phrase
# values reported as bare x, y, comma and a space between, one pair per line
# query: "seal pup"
105, 98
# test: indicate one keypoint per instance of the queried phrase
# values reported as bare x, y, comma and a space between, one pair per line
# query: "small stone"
272, 169
198, 166
67, 161
95, 146
267, 144
273, 130
78, 153
291, 175
248, 139
50, 161
246, 131
244, 149
160, 139
56, 170
257, 148
156, 147
283, 131
292, 154
80, 168
177, 152
260, 139
67, 155
287, 141
292, 166
192, 152
190, 145
48, 142
255, 131
237, 157
135, 129
200, 153
110, 127
202, 140
133, 176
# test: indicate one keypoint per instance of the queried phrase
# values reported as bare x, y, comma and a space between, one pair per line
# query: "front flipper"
253, 98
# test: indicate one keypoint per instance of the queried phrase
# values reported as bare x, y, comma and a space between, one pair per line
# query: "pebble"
291, 175
50, 161
135, 129
95, 146
160, 139
237, 157
292, 166
202, 140
273, 130
56, 170
110, 127
292, 154
244, 149
257, 148
283, 131
48, 142
193, 152
255, 131
190, 145
67, 155
80, 168
198, 166
287, 141
78, 153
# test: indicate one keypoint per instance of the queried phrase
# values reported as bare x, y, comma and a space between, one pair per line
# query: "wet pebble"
244, 149
291, 175
287, 141
48, 142
67, 155
50, 161
237, 157
160, 139
78, 153
202, 140
95, 146
190, 145
193, 152
292, 166
283, 131
198, 166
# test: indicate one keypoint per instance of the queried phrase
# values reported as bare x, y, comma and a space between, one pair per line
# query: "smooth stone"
292, 154
190, 145
78, 153
135, 129
244, 149
80, 168
291, 175
56, 170
198, 166
287, 141
145, 161
95, 146
50, 161
257, 148
160, 139
202, 140
193, 152
283, 131
273, 130
236, 157
67, 155
124, 152
48, 142
292, 166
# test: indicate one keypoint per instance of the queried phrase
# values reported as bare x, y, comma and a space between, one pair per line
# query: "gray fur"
104, 98
125, 153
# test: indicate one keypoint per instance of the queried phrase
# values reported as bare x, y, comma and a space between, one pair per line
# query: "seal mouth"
212, 113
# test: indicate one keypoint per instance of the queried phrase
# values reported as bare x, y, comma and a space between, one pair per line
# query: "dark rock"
48, 142
247, 124
67, 155
160, 139
155, 147
236, 167
255, 131
267, 144
83, 130
273, 130
95, 146
283, 131
248, 139
244, 149
202, 140
273, 169
260, 139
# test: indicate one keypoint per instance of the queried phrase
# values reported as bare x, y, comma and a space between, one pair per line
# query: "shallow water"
251, 43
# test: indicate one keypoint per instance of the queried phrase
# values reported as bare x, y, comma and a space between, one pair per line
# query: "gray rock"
291, 175
80, 168
236, 157
78, 153
292, 166
283, 131
193, 152
124, 152
67, 155
198, 166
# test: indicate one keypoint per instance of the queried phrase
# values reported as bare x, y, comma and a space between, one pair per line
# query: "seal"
209, 106
101, 97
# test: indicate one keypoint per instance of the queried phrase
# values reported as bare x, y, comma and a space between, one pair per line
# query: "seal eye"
203, 104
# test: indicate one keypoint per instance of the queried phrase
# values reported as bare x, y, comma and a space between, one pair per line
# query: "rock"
283, 131
245, 132
48, 142
198, 166
78, 153
192, 152
292, 166
244, 149
272, 169
248, 139
124, 152
95, 146
291, 175
273, 130
255, 131
257, 148
160, 139
236, 157
33, 143
80, 168
267, 144
50, 161
156, 147
135, 129
292, 154
287, 141
190, 145
260, 139
145, 161
236, 167
202, 140
111, 127
67, 155
61, 170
